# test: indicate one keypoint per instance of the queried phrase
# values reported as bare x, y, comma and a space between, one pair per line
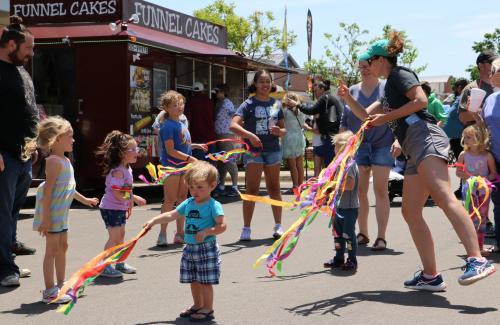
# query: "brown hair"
112, 149
15, 31
48, 131
396, 45
170, 97
201, 171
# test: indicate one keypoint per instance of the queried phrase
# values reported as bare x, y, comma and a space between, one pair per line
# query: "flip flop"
379, 245
362, 239
188, 312
207, 315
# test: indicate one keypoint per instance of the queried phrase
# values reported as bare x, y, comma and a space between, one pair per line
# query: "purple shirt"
491, 116
109, 201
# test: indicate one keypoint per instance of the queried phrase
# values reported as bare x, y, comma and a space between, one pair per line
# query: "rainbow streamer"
126, 189
160, 173
91, 270
315, 196
225, 156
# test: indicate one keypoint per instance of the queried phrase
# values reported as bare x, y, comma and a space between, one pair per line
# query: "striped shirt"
62, 196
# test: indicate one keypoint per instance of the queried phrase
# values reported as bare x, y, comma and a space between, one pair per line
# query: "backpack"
329, 120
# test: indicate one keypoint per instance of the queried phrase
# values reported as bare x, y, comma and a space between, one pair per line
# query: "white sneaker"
278, 231
245, 234
24, 273
125, 268
52, 293
10, 281
162, 241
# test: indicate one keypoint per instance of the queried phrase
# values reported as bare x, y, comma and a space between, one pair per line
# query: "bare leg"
293, 171
253, 175
60, 258
170, 190
434, 173
414, 197
382, 207
299, 162
318, 165
197, 293
272, 176
51, 250
364, 204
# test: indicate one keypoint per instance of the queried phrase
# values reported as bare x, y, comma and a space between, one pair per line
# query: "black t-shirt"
399, 81
18, 119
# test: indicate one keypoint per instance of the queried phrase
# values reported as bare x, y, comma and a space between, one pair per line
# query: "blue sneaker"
219, 191
233, 192
419, 282
476, 270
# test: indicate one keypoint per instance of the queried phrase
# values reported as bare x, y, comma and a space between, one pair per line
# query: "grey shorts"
423, 140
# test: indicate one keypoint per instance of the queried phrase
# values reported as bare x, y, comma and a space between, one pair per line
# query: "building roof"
279, 59
435, 79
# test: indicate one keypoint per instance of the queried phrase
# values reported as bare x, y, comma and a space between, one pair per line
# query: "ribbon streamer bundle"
312, 197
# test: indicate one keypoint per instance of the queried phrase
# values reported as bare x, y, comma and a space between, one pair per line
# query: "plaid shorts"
201, 263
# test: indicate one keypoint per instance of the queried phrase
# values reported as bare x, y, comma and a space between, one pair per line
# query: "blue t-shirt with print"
258, 118
199, 217
179, 134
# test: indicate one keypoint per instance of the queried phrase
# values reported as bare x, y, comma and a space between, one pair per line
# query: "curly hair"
170, 97
49, 130
396, 45
112, 150
201, 171
479, 134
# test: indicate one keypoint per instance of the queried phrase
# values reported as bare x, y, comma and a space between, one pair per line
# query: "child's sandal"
188, 312
362, 239
207, 315
379, 245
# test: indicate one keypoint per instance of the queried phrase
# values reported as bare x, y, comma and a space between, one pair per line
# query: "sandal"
380, 244
362, 239
188, 312
207, 315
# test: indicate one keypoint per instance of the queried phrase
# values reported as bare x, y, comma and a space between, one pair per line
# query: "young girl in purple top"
477, 161
118, 151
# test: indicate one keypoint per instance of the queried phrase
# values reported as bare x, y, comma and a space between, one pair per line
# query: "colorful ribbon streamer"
91, 270
312, 197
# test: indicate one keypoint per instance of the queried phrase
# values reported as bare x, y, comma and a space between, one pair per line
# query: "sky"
443, 30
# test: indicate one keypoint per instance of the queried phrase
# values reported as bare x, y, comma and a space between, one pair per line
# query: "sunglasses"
370, 60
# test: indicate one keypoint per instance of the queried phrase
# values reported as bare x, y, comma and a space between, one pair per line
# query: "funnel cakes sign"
106, 11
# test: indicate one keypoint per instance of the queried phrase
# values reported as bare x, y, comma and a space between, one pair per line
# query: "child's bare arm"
139, 200
492, 167
85, 200
165, 217
219, 228
349, 183
460, 170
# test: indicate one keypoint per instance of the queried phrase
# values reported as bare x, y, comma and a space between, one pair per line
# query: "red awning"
144, 35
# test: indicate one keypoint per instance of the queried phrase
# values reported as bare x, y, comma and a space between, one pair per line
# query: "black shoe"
490, 230
350, 265
334, 263
20, 249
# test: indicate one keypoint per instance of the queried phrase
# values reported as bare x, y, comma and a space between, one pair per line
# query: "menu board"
141, 119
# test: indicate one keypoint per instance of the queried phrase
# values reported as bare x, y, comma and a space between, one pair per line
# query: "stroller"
395, 185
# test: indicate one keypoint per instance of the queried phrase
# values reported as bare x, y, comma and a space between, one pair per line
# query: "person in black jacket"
329, 108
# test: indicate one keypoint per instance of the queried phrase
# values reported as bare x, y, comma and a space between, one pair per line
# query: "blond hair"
49, 130
201, 171
479, 134
170, 97
342, 138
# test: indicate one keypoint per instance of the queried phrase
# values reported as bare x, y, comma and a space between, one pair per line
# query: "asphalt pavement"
305, 293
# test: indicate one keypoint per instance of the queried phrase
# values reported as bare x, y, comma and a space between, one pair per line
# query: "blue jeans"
15, 182
344, 225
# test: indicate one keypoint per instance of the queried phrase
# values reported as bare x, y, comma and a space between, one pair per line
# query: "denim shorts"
113, 218
368, 156
200, 263
267, 158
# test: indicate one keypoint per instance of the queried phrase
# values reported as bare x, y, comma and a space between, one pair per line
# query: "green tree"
490, 42
254, 36
343, 50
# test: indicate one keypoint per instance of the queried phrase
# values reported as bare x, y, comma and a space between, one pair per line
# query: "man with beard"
19, 117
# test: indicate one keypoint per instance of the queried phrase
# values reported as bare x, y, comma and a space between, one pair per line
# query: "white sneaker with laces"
52, 293
10, 281
245, 234
278, 231
162, 241
125, 268
24, 273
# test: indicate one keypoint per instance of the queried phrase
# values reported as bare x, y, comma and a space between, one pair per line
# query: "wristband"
188, 158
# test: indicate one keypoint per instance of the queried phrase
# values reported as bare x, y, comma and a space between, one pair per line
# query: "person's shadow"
239, 245
402, 298
34, 308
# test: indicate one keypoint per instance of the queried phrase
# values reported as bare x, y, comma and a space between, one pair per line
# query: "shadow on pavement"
397, 204
111, 281
179, 320
239, 245
366, 251
291, 277
412, 299
34, 308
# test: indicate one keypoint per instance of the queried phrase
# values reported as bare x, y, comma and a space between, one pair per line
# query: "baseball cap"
378, 48
198, 86
487, 56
